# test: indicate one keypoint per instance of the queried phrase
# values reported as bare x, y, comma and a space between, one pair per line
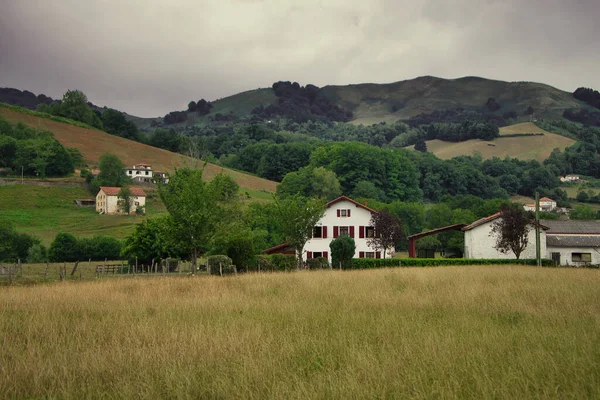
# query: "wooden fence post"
136, 264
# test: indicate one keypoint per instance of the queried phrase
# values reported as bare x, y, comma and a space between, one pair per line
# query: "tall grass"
465, 332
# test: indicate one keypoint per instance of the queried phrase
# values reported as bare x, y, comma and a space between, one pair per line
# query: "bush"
368, 263
36, 254
276, 262
342, 250
317, 263
67, 247
218, 263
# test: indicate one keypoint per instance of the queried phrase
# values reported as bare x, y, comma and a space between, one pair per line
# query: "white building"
480, 242
143, 173
573, 242
343, 216
107, 201
546, 205
569, 242
570, 178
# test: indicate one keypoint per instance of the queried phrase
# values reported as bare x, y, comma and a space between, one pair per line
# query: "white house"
343, 216
546, 205
480, 242
573, 242
107, 201
143, 173
570, 178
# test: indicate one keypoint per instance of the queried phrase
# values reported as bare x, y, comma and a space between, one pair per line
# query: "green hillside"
373, 103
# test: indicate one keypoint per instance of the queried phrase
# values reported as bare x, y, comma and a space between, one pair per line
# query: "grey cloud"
148, 57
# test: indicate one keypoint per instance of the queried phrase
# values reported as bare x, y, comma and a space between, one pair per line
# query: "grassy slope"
507, 332
94, 143
372, 103
524, 147
45, 211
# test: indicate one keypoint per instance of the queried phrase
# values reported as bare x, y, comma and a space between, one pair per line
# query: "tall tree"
298, 216
112, 172
197, 209
125, 200
388, 231
512, 229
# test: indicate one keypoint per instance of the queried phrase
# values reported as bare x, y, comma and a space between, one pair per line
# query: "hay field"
93, 143
455, 332
524, 147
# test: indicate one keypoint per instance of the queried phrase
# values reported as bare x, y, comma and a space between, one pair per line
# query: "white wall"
479, 243
566, 254
358, 217
109, 204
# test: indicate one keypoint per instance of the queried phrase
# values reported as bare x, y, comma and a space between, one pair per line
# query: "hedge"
276, 262
368, 263
220, 263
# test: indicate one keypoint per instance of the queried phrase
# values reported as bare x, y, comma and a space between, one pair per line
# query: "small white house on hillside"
107, 201
570, 178
343, 216
480, 242
546, 205
143, 173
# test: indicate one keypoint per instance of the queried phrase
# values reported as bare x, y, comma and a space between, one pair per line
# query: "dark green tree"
342, 251
125, 200
112, 172
64, 247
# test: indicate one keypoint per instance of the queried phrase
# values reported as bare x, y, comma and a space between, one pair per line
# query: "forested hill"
417, 101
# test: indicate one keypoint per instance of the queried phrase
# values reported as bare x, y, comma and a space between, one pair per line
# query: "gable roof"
356, 203
482, 221
491, 218
114, 191
276, 249
546, 199
572, 226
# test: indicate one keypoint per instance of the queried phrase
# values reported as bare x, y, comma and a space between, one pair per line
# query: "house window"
318, 232
137, 172
369, 254
317, 254
581, 257
137, 203
343, 213
344, 231
146, 172
370, 232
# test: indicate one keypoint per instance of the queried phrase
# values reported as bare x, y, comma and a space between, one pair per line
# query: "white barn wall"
479, 243
566, 255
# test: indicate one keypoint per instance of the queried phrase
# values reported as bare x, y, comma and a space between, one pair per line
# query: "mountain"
421, 100
93, 143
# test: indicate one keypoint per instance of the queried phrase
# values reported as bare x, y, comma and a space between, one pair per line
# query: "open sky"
149, 57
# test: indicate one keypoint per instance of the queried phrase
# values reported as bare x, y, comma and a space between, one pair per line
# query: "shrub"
36, 254
220, 263
342, 250
368, 263
276, 262
317, 263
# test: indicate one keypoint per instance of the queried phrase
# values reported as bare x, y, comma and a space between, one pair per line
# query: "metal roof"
571, 226
572, 241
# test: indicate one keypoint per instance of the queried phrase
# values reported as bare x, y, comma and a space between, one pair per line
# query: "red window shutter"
324, 232
361, 254
378, 254
308, 254
348, 212
335, 231
338, 213
361, 232
324, 254
352, 232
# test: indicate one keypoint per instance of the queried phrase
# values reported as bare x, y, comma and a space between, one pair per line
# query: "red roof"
356, 203
482, 221
546, 199
142, 165
114, 191
276, 249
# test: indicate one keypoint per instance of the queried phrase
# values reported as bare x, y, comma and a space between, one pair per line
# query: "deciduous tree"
342, 250
512, 229
388, 231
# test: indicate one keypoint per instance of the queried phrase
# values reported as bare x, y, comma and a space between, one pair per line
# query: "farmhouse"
569, 242
107, 201
142, 173
480, 242
343, 216
573, 242
570, 178
546, 205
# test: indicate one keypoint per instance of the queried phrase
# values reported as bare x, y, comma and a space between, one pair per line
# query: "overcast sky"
149, 57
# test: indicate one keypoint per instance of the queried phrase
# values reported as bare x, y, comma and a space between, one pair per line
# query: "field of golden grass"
455, 332
524, 147
93, 143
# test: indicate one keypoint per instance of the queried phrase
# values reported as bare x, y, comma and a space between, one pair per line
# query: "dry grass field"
524, 147
455, 332
93, 143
